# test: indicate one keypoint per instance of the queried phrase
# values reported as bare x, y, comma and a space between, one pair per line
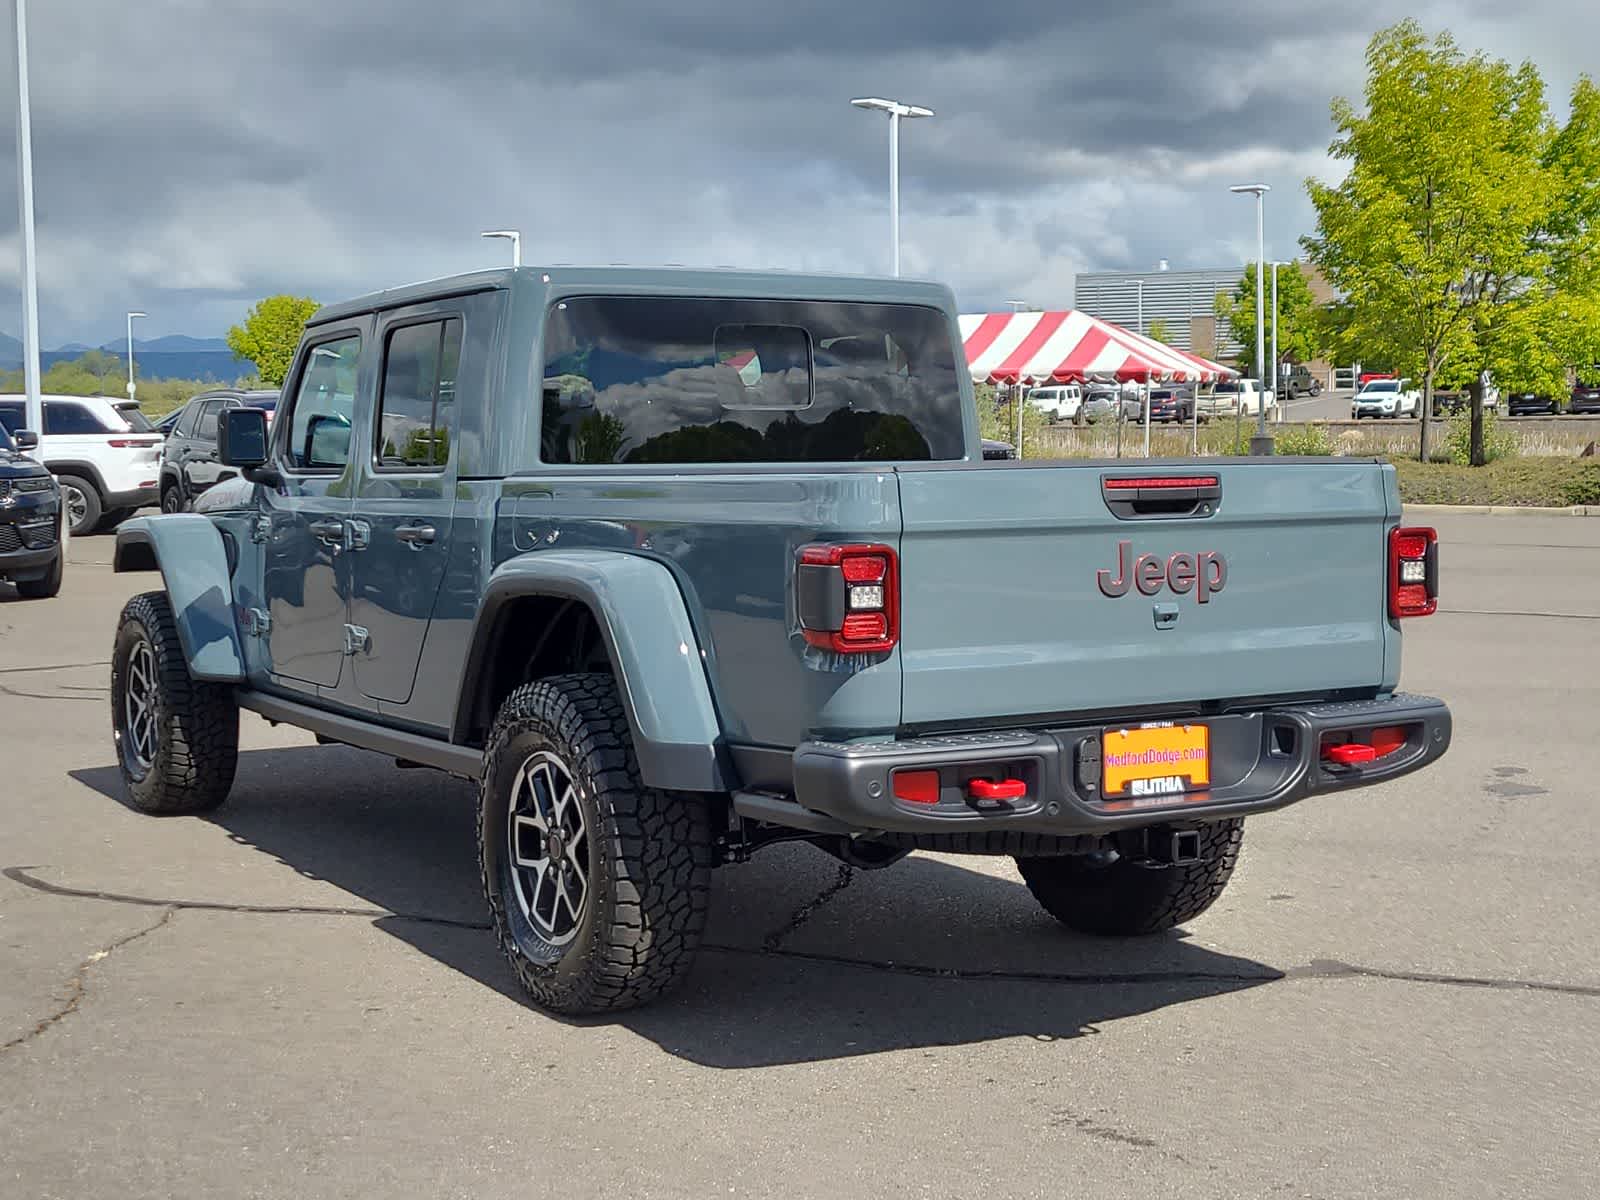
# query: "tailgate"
1024, 594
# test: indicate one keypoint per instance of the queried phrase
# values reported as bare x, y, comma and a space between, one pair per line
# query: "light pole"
1139, 283
1261, 444
33, 409
514, 236
896, 111
132, 387
1275, 400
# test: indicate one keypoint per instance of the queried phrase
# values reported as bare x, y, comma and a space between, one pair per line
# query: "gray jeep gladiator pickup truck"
678, 565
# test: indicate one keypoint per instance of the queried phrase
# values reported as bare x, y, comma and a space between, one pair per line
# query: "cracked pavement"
1398, 996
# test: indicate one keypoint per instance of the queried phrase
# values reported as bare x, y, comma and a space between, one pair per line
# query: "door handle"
416, 536
330, 531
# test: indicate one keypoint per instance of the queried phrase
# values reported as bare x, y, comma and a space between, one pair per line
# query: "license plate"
1156, 760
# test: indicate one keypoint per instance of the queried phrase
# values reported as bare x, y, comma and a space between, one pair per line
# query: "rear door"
1027, 593
197, 457
406, 496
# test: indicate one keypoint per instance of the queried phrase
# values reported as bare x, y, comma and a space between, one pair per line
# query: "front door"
306, 523
406, 497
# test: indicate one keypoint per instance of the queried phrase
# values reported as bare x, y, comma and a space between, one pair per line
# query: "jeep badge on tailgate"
1204, 573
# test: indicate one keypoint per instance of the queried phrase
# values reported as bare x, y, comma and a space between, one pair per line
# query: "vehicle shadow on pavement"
804, 960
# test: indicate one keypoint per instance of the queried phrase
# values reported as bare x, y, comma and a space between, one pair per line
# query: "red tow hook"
1349, 754
992, 789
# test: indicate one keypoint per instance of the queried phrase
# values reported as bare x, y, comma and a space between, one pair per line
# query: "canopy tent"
1036, 347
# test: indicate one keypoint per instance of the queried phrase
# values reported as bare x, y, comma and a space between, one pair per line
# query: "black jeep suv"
30, 520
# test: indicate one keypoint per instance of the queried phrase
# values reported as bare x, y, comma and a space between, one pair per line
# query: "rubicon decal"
1204, 574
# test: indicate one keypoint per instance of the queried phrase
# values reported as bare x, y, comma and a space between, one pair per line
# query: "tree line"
1463, 242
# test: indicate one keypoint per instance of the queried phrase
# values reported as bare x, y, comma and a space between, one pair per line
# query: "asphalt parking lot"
1398, 996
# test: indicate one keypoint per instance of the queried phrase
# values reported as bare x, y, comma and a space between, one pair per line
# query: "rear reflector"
917, 787
1413, 584
1387, 740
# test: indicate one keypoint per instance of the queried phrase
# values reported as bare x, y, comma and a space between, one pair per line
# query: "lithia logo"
1204, 574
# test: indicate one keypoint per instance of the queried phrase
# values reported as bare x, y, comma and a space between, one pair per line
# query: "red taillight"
1160, 482
847, 598
124, 443
1413, 572
917, 787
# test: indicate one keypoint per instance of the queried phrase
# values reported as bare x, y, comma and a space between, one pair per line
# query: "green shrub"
1498, 441
1304, 439
1538, 482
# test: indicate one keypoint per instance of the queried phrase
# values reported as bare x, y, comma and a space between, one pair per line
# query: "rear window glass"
663, 380
134, 416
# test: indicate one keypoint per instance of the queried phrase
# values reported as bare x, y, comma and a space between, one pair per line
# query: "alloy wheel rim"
77, 506
548, 846
139, 706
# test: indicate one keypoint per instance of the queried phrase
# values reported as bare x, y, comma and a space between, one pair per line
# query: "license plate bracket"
1165, 759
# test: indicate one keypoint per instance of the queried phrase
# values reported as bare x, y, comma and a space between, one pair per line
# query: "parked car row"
31, 550
1080, 403
103, 451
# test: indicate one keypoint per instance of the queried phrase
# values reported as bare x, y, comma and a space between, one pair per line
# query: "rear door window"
417, 403
205, 427
666, 380
11, 417
65, 419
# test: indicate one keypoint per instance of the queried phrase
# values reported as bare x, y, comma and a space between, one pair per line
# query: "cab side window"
206, 427
416, 405
324, 405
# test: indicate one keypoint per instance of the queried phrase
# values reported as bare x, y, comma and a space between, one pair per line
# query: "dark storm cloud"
191, 156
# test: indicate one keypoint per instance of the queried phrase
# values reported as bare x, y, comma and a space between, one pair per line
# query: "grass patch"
1535, 482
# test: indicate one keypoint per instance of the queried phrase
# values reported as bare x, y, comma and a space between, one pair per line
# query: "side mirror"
242, 437
26, 439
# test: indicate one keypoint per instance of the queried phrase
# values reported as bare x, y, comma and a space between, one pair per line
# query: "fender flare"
660, 673
189, 552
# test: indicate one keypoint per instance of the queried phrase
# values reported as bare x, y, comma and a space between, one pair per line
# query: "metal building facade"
1183, 301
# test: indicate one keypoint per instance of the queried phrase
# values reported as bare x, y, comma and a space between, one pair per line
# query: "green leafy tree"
1158, 330
1455, 234
270, 333
1301, 323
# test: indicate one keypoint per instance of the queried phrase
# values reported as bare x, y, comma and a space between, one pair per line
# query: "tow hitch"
1160, 846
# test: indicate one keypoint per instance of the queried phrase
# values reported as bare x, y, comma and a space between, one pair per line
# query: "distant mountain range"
175, 356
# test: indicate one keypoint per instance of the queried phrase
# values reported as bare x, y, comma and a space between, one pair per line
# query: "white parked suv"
1059, 401
1386, 398
105, 453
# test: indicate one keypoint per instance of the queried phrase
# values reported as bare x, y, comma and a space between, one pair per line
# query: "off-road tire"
93, 509
196, 726
47, 585
1123, 898
649, 853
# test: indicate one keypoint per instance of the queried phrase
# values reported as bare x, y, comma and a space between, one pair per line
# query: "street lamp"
514, 236
1139, 283
132, 387
1018, 305
33, 408
1258, 190
896, 111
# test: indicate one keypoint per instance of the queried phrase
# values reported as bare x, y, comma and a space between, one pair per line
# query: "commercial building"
1180, 305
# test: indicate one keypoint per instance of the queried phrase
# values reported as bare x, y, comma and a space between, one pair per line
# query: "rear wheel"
82, 499
1114, 896
171, 499
177, 739
597, 885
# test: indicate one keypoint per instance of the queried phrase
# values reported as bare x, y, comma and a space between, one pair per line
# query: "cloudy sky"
193, 155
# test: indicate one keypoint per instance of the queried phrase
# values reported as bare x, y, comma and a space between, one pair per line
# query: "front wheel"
171, 499
47, 585
597, 885
1113, 896
177, 739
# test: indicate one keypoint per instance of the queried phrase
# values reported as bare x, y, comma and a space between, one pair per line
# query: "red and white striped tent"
1071, 346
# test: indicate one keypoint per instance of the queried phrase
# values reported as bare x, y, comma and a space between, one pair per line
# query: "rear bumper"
1260, 761
142, 497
